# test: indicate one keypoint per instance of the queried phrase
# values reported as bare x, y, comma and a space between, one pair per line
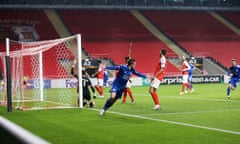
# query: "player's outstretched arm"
112, 67
148, 76
139, 74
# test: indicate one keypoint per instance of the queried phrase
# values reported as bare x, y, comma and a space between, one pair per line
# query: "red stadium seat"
108, 33
199, 32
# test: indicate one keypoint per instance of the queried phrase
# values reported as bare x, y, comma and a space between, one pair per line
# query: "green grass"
206, 107
55, 97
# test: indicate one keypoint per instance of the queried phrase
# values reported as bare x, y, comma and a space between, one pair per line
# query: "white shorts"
93, 81
100, 82
155, 83
185, 79
129, 84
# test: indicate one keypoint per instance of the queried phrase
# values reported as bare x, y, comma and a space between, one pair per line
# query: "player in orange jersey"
185, 82
157, 78
100, 76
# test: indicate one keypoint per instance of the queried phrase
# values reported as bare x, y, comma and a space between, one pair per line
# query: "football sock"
124, 95
183, 87
228, 91
130, 94
188, 86
109, 103
155, 98
101, 90
98, 89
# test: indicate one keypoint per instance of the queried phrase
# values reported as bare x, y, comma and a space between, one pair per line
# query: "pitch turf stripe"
193, 98
21, 134
196, 112
175, 123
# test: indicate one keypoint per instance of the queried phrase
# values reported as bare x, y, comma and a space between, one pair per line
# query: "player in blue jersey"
234, 75
105, 78
191, 64
119, 84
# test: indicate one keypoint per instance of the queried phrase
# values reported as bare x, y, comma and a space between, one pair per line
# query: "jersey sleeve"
230, 71
163, 62
138, 74
187, 65
113, 67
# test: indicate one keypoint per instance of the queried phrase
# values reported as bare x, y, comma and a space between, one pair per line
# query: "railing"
221, 3
232, 5
100, 56
201, 54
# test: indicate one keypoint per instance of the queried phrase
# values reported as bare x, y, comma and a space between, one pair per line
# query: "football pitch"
202, 117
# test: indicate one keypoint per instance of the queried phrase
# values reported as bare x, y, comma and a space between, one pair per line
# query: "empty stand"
198, 32
108, 33
232, 16
43, 27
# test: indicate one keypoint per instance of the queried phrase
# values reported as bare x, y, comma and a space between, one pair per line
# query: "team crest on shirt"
125, 76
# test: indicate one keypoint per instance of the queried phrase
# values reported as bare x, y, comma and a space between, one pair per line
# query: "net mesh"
46, 64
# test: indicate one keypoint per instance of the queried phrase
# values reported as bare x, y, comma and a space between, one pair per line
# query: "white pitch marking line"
193, 98
173, 122
196, 112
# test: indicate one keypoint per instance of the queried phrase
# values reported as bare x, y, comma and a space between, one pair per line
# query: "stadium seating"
109, 38
199, 32
232, 16
108, 33
43, 27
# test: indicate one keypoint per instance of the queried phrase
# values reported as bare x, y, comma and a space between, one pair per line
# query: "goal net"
41, 74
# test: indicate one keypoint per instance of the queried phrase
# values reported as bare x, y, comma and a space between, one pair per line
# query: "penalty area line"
174, 122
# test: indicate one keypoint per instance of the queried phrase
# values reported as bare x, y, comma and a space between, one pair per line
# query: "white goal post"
40, 73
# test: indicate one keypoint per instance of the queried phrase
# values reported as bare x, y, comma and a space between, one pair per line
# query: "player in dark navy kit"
86, 83
119, 84
234, 74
